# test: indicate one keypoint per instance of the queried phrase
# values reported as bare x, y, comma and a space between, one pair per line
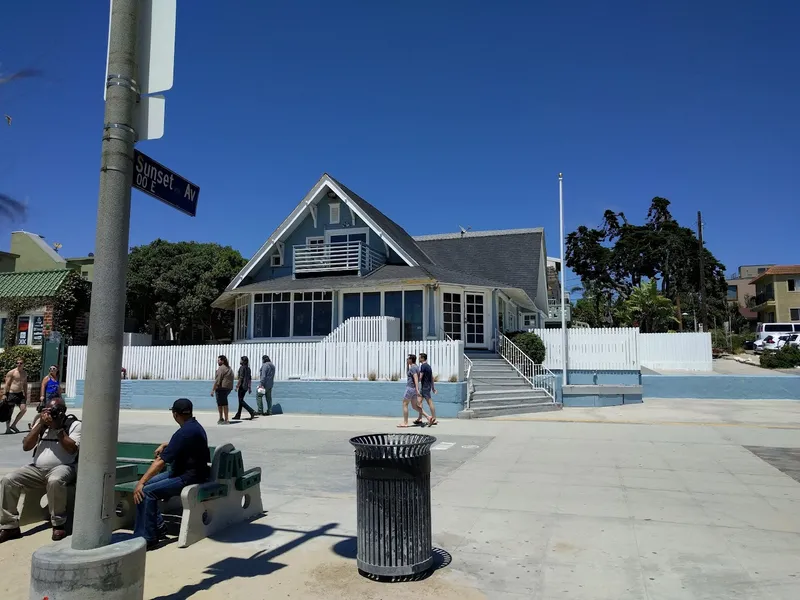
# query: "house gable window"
335, 212
275, 260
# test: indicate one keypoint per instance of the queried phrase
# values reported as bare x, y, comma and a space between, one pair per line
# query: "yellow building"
778, 294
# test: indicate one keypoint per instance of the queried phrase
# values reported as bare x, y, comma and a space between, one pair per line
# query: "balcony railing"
337, 257
554, 309
764, 297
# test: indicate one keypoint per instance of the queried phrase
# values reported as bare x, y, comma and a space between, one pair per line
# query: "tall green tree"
619, 256
171, 287
647, 309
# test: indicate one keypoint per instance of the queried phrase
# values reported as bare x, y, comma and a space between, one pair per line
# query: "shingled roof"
778, 270
509, 256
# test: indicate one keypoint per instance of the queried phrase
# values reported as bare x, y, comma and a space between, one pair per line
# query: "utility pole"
94, 502
701, 252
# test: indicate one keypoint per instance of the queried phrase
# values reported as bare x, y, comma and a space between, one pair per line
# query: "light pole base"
113, 572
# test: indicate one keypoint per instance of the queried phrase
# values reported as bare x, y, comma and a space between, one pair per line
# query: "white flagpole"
563, 281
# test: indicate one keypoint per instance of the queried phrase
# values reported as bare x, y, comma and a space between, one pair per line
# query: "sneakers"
59, 533
14, 429
6, 535
220, 422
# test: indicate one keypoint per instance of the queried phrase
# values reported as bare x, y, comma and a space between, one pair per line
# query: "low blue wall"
599, 397
722, 387
368, 398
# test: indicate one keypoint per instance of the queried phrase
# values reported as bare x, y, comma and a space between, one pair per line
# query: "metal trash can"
393, 474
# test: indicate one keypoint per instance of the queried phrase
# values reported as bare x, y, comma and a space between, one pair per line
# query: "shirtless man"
16, 389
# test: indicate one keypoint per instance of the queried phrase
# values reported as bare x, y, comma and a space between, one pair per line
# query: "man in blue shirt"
188, 456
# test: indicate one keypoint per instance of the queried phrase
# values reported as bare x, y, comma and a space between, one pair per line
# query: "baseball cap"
182, 406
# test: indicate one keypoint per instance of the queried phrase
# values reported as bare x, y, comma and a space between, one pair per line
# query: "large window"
351, 306
298, 314
733, 292
242, 316
412, 315
406, 306
393, 304
371, 304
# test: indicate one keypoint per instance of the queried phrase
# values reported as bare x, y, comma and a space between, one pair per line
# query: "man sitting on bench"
188, 456
55, 440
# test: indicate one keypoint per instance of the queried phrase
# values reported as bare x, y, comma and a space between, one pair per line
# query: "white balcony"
354, 257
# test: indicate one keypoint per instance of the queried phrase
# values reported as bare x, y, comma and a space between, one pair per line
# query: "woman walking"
50, 388
244, 385
223, 384
412, 391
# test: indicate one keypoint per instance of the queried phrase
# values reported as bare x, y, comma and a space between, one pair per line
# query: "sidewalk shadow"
348, 548
260, 563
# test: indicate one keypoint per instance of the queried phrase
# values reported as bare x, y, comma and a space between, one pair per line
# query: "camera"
58, 413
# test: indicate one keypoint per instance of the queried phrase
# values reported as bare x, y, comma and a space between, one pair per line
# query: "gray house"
336, 256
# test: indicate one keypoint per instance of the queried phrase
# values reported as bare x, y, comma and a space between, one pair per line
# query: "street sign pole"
94, 501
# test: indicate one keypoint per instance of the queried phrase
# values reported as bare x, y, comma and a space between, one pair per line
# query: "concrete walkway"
660, 501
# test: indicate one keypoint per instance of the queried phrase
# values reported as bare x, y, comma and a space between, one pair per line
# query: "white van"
776, 329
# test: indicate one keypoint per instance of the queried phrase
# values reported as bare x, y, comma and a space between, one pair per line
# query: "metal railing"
338, 256
467, 372
538, 376
764, 297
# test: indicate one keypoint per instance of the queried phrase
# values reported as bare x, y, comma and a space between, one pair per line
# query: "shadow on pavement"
348, 548
260, 563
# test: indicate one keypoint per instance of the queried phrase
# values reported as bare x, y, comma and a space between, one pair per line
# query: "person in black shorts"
16, 388
426, 387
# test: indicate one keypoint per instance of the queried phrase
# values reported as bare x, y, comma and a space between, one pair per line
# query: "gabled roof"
32, 284
510, 256
778, 270
387, 230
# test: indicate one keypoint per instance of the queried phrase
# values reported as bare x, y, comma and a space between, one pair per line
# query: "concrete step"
498, 367
486, 390
514, 394
515, 401
505, 380
513, 409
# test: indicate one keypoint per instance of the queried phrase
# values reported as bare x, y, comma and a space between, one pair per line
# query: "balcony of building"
335, 258
764, 299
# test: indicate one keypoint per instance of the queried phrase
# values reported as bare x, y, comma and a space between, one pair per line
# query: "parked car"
748, 344
776, 329
770, 342
793, 339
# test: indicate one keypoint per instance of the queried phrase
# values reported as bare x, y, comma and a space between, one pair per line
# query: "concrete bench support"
34, 506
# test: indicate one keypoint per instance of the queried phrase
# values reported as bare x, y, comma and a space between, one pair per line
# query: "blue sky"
441, 114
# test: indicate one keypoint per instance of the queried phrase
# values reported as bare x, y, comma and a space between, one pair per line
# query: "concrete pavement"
660, 501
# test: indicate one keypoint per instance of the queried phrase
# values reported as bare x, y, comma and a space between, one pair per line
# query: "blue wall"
599, 397
368, 398
722, 387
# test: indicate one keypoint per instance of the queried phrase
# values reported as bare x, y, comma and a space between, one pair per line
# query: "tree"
647, 309
171, 287
618, 257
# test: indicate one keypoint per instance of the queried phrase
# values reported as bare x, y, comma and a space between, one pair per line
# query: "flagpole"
563, 281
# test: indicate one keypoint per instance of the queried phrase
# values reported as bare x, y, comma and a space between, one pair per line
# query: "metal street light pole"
94, 502
563, 280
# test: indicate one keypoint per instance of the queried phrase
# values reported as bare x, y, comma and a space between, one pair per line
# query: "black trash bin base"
393, 478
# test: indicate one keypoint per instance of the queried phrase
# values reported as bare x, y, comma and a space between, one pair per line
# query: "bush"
531, 344
31, 356
787, 357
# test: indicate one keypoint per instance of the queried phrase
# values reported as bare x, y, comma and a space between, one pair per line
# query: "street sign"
155, 45
148, 118
162, 184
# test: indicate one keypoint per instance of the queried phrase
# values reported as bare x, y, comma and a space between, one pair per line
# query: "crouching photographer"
55, 440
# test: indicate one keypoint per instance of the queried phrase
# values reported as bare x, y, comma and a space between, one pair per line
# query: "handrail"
538, 376
467, 374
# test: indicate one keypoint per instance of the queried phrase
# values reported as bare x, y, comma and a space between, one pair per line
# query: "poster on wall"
38, 330
23, 325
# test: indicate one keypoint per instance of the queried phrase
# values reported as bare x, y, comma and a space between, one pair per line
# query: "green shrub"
532, 345
31, 356
787, 357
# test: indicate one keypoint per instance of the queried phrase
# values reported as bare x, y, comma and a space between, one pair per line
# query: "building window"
242, 316
761, 270
793, 287
794, 314
275, 260
351, 306
371, 304
335, 212
271, 313
733, 292
406, 306
529, 320
412, 315
298, 314
312, 313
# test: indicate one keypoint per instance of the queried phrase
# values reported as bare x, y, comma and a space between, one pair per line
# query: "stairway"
500, 390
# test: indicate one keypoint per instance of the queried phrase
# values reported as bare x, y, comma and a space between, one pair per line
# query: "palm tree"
648, 309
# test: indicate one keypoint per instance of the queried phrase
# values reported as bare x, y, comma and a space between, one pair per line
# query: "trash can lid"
393, 445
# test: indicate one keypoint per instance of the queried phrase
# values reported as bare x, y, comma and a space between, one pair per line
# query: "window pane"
338, 239
358, 237
393, 304
372, 304
732, 292
308, 296
302, 319
351, 306
795, 312
317, 295
791, 285
412, 319
262, 319
327, 296
280, 320
298, 296
323, 316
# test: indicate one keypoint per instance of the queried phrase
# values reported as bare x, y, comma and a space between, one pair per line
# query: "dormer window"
335, 212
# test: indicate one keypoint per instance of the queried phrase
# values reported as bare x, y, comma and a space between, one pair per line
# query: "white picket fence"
366, 329
321, 361
623, 349
676, 351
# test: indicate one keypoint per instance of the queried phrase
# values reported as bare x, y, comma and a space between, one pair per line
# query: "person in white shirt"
55, 440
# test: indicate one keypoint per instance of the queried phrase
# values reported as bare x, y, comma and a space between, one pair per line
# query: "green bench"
231, 495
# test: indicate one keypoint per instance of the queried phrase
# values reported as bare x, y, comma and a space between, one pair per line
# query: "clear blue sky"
440, 113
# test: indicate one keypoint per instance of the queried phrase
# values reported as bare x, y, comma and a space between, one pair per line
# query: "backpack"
68, 422
6, 408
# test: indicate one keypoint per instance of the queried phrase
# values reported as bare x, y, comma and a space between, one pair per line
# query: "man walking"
55, 440
188, 454
266, 381
426, 386
16, 392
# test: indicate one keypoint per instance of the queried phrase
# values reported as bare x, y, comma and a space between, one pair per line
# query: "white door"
475, 320
452, 314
